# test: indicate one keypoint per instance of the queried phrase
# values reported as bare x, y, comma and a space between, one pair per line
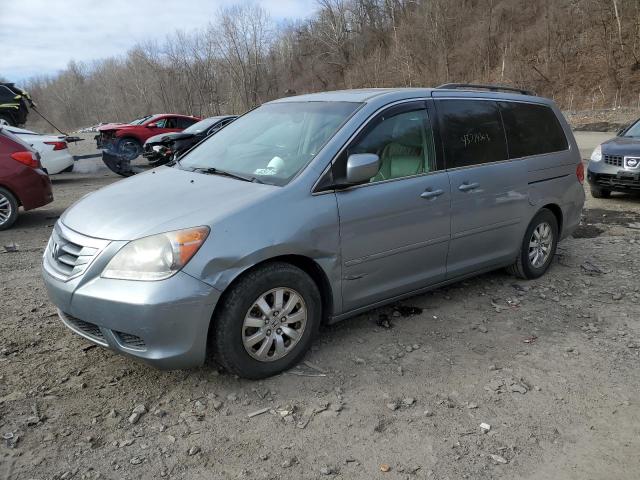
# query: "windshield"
202, 125
273, 142
633, 131
139, 121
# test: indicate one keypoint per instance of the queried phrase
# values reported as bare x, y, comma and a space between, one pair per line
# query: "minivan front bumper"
164, 323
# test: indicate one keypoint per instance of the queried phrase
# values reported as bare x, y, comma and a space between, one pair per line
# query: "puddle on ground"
600, 216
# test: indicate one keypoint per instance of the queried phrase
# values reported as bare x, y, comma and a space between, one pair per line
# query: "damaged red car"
127, 139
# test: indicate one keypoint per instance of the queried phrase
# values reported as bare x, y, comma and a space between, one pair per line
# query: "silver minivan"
309, 210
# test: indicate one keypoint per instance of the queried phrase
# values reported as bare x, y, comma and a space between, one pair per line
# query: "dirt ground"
551, 366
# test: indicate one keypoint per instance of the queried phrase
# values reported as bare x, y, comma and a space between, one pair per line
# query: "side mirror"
620, 132
152, 125
361, 167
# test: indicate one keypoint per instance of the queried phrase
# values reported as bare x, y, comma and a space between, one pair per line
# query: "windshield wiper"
224, 173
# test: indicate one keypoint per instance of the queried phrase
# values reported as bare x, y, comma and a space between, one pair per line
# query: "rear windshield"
273, 142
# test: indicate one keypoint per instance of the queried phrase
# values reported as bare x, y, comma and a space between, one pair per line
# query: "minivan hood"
622, 146
161, 200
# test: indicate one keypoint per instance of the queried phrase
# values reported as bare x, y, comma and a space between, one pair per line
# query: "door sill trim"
412, 293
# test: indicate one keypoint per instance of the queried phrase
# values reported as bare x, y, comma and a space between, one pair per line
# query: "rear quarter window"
472, 132
532, 129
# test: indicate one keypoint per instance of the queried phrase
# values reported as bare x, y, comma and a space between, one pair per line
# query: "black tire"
129, 148
523, 266
8, 205
227, 327
597, 192
7, 120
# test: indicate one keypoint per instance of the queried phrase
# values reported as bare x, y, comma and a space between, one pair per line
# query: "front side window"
472, 132
271, 143
402, 138
531, 129
161, 123
171, 122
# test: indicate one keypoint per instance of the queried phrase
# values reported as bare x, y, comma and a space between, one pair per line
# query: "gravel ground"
550, 366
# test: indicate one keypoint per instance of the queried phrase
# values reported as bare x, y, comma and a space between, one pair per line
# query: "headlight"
596, 156
156, 257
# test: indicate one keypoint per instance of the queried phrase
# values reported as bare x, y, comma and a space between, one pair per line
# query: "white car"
53, 149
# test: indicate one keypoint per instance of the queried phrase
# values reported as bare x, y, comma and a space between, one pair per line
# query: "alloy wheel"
5, 209
540, 245
274, 324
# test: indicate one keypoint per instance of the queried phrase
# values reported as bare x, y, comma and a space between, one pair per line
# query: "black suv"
13, 105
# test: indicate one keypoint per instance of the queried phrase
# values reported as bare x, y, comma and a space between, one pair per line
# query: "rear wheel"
267, 321
538, 246
597, 192
8, 209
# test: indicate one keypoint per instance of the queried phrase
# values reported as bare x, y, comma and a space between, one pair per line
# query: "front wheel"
538, 246
267, 321
597, 192
6, 120
129, 148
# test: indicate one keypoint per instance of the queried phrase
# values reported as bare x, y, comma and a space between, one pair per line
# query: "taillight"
30, 159
57, 145
580, 172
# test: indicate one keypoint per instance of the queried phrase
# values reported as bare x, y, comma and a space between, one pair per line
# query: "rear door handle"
427, 194
465, 187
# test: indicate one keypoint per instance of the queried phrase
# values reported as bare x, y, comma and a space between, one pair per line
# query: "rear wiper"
224, 173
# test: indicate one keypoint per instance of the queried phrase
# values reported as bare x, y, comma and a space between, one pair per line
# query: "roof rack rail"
477, 86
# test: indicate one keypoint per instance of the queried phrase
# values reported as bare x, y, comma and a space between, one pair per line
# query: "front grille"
131, 341
89, 329
68, 253
615, 160
606, 180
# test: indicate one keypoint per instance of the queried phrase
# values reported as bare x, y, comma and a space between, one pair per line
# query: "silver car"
309, 210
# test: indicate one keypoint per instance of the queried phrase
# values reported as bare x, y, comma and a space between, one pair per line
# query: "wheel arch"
304, 263
11, 116
127, 136
12, 192
557, 212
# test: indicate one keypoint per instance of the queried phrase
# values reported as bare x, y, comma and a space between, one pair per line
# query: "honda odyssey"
312, 209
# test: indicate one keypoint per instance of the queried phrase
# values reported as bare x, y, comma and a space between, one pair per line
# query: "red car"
127, 139
22, 180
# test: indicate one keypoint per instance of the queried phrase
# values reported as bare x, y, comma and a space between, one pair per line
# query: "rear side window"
531, 129
472, 132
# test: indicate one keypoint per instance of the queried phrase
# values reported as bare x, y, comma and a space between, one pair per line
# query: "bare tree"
583, 53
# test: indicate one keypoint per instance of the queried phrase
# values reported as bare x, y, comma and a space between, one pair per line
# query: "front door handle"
427, 194
465, 187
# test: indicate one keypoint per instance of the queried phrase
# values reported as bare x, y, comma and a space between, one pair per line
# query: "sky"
40, 37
